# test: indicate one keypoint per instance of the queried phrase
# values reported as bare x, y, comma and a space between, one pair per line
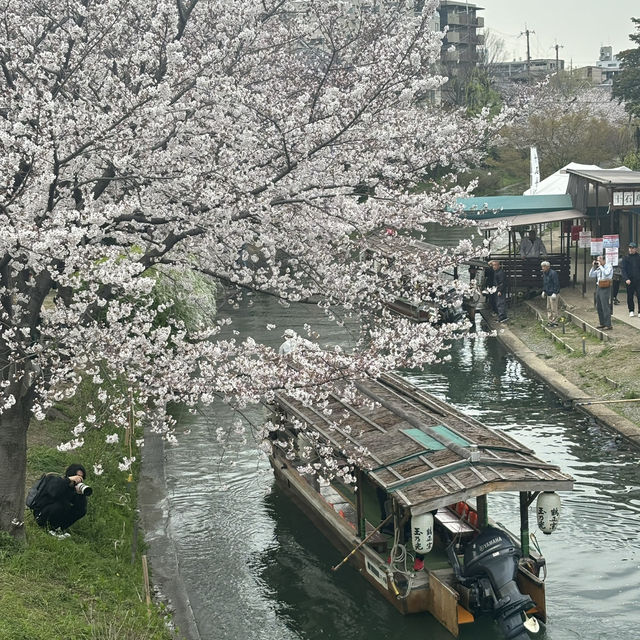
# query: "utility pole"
527, 33
556, 47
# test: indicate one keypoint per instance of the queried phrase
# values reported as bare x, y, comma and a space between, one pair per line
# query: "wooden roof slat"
374, 424
480, 475
328, 437
455, 480
406, 465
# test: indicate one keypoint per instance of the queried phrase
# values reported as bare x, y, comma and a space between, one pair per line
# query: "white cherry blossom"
257, 143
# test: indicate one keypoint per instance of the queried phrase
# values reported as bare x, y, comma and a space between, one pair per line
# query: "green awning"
507, 206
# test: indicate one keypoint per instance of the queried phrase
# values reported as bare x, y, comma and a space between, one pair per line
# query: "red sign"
575, 231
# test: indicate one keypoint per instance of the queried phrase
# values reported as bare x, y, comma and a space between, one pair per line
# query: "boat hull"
433, 592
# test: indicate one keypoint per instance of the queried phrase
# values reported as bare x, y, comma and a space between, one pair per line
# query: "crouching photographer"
59, 501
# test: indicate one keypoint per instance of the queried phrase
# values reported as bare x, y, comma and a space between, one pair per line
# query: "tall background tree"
566, 122
231, 137
626, 88
626, 84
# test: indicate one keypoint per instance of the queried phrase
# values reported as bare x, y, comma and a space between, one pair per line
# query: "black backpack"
37, 490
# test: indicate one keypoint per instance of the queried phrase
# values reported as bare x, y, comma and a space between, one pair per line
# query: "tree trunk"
14, 423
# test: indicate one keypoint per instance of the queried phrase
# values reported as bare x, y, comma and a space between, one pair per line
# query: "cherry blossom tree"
259, 142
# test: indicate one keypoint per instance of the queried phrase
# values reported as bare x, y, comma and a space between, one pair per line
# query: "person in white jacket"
532, 246
603, 273
292, 341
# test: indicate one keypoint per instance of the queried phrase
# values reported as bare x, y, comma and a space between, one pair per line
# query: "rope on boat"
534, 541
399, 554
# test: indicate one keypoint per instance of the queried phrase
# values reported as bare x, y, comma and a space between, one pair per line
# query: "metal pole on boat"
483, 511
365, 540
524, 523
362, 530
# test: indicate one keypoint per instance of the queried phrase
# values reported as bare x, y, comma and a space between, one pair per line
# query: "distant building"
520, 71
591, 75
609, 64
463, 45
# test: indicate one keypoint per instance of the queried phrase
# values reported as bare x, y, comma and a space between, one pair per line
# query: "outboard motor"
490, 566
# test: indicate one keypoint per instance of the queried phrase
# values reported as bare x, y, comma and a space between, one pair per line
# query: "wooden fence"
525, 274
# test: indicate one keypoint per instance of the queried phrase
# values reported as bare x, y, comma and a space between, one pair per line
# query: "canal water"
255, 568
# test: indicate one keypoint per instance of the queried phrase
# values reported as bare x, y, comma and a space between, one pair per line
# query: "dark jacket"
550, 282
500, 281
631, 267
59, 506
488, 277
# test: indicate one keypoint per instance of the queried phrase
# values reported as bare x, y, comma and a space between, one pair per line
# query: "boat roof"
422, 450
405, 247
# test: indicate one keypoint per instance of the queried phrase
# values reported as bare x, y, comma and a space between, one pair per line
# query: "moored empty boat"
409, 500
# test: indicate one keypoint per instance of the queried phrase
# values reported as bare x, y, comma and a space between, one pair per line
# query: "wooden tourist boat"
387, 250
416, 523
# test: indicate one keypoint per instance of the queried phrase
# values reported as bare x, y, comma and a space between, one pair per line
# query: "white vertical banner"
534, 169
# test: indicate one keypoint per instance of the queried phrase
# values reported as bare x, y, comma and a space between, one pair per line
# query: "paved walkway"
583, 307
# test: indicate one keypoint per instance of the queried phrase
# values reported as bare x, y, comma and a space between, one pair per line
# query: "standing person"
532, 246
487, 285
499, 296
550, 291
615, 286
603, 273
631, 275
63, 499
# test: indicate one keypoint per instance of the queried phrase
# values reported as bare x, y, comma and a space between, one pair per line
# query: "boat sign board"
377, 574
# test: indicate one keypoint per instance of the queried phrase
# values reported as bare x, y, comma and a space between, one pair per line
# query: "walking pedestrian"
550, 291
631, 275
603, 273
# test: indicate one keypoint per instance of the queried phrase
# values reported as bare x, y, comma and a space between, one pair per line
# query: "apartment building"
463, 44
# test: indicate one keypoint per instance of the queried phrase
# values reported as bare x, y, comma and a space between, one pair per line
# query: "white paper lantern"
548, 511
422, 532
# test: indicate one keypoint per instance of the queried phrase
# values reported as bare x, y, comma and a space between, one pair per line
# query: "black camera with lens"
83, 489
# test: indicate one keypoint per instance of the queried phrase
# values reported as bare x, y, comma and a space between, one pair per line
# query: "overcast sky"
580, 26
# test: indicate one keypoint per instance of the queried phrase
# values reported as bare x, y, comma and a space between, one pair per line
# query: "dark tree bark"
14, 424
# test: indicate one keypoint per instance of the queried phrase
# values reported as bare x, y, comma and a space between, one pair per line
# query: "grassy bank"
90, 585
605, 371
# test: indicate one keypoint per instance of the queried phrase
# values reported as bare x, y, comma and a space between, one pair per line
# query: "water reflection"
594, 556
256, 568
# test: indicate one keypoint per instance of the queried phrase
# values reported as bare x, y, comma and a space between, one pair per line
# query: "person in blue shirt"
550, 291
603, 273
